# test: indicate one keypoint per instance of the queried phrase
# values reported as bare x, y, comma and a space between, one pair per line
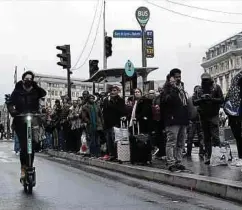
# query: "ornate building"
56, 87
224, 60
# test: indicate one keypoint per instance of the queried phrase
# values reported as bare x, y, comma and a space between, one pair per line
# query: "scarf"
182, 95
133, 115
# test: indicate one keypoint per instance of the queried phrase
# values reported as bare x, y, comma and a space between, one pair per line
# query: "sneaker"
234, 161
207, 161
105, 157
180, 167
239, 163
173, 168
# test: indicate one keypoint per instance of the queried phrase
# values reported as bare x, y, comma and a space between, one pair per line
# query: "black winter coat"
22, 101
173, 112
113, 110
208, 107
144, 110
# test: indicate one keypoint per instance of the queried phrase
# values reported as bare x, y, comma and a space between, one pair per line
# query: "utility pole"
104, 37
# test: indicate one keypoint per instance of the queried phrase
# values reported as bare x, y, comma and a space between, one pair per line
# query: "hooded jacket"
22, 101
233, 97
208, 107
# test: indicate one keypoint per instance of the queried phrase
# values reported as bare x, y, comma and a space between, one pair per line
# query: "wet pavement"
197, 166
62, 187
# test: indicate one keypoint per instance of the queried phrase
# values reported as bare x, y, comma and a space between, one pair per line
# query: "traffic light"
93, 67
108, 46
65, 56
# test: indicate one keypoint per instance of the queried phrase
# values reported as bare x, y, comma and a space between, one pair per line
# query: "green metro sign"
142, 15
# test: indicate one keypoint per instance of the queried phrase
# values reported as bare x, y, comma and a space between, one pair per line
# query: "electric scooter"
29, 181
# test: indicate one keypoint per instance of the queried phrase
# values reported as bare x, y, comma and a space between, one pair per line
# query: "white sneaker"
239, 163
234, 161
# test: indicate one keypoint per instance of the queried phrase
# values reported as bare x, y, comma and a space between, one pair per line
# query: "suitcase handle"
123, 124
137, 123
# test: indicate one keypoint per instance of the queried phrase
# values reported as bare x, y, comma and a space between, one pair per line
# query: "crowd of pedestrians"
168, 116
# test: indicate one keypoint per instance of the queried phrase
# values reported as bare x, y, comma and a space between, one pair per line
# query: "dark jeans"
64, 137
195, 128
94, 143
21, 131
110, 142
235, 125
160, 138
73, 142
210, 128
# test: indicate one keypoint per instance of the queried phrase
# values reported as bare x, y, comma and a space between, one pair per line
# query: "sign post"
143, 15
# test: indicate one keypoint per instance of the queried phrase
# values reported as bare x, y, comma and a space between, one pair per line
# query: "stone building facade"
224, 60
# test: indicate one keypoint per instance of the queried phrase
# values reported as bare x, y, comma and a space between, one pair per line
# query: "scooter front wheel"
25, 188
30, 185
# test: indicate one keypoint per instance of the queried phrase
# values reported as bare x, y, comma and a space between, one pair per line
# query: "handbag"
121, 133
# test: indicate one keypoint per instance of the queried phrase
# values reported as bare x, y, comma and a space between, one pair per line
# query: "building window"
60, 93
49, 84
49, 92
73, 94
56, 93
52, 92
77, 94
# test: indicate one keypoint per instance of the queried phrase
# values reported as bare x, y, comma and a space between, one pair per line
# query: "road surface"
62, 187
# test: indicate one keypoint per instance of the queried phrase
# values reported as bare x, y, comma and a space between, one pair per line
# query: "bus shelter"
118, 75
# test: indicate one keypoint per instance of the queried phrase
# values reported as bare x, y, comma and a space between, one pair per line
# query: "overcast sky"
30, 31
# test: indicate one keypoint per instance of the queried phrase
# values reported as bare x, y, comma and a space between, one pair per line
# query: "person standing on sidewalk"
232, 108
92, 117
194, 128
113, 111
75, 125
56, 118
209, 98
64, 138
1, 130
175, 113
16, 141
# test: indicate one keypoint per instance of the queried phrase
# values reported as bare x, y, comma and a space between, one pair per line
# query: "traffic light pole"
104, 36
69, 83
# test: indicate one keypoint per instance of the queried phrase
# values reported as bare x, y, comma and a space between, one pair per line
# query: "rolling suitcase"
123, 144
140, 147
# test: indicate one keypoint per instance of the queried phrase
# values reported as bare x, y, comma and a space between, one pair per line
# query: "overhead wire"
88, 36
204, 9
99, 20
190, 16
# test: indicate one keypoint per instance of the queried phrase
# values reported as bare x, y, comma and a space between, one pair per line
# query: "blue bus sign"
127, 34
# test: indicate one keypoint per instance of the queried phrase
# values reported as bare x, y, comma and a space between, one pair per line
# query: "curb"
230, 190
6, 141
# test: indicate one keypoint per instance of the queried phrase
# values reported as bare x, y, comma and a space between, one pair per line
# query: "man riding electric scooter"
24, 100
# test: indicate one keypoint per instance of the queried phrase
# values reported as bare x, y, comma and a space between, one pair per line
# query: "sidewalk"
220, 181
196, 166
